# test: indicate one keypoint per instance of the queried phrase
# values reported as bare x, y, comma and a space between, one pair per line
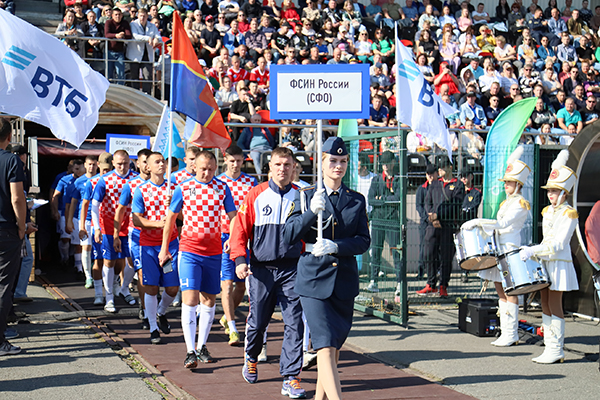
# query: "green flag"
347, 128
501, 141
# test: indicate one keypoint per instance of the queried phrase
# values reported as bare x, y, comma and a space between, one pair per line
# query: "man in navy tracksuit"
271, 275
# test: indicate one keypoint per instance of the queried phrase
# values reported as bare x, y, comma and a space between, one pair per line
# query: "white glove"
317, 203
323, 247
526, 253
470, 224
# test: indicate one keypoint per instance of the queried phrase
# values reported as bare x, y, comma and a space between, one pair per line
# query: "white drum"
474, 251
521, 277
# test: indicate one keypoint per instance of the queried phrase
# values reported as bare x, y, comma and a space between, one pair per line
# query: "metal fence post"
404, 185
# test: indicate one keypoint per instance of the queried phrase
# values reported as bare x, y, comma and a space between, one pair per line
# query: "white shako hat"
516, 170
561, 177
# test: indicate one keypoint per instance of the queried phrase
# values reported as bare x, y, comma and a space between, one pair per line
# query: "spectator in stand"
242, 108
255, 40
538, 27
210, 7
260, 75
68, 28
448, 78
467, 79
243, 24
528, 80
450, 52
331, 13
210, 39
493, 110
565, 51
429, 16
92, 48
258, 141
480, 16
384, 47
252, 9
447, 18
363, 47
589, 114
236, 72
486, 81
246, 61
486, 40
559, 101
591, 84
595, 21
572, 81
550, 81
569, 115
378, 113
428, 46
576, 26
502, 11
290, 14
106, 14
380, 78
546, 54
198, 24
495, 90
585, 13
301, 42
411, 11
337, 57
229, 8
565, 72
556, 25
226, 95
526, 51
514, 94
257, 97
374, 12
280, 41
266, 28
221, 25
290, 58
471, 142
425, 68
473, 111
579, 97
192, 34
585, 52
142, 52
464, 21
541, 115
505, 52
117, 28
233, 38
351, 17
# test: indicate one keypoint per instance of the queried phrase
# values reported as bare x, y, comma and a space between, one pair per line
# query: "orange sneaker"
427, 290
443, 291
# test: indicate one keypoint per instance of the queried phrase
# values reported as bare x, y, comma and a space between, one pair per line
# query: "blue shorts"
227, 264
96, 248
108, 250
152, 272
200, 273
135, 249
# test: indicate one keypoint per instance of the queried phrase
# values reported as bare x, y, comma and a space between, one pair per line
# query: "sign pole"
319, 157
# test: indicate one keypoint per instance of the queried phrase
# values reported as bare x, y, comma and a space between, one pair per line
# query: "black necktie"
334, 197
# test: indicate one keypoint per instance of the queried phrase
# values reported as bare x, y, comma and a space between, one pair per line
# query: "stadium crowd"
480, 61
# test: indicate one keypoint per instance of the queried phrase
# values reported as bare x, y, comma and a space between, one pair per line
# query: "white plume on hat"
561, 177
516, 170
561, 159
516, 155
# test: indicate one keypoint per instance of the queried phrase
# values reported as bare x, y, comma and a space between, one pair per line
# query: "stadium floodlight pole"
319, 156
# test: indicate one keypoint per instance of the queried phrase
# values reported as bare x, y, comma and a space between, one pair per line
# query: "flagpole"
319, 157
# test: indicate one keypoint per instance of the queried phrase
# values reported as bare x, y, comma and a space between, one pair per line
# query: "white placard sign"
130, 143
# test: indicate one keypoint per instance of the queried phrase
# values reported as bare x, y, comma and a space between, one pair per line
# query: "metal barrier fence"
103, 62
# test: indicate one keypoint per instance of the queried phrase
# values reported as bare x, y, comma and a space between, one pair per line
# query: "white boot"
546, 322
502, 316
553, 351
509, 325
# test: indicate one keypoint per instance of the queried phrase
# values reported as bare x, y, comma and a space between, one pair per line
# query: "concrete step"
43, 14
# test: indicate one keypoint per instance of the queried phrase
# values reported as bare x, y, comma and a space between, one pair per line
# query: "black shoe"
191, 361
155, 337
163, 324
145, 324
204, 355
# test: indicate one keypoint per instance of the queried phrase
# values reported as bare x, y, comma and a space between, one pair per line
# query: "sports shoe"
262, 357
155, 337
89, 283
234, 338
204, 355
141, 313
427, 290
110, 307
250, 371
443, 291
10, 333
129, 299
163, 324
8, 349
310, 360
223, 322
291, 388
372, 287
98, 300
191, 361
381, 274
145, 324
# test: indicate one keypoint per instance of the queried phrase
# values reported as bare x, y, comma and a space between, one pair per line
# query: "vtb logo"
18, 58
409, 70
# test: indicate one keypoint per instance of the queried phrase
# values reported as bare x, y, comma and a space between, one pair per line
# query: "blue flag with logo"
161, 140
44, 81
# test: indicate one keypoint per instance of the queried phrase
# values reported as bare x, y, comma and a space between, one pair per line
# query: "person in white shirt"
142, 52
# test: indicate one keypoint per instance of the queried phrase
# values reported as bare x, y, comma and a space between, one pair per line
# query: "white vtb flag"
417, 104
44, 81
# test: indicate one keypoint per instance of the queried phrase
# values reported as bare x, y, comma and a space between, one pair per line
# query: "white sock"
207, 314
63, 249
188, 325
265, 335
128, 274
86, 261
231, 325
306, 333
165, 302
98, 287
108, 276
150, 305
78, 265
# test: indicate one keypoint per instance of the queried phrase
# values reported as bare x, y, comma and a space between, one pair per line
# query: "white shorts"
88, 228
74, 236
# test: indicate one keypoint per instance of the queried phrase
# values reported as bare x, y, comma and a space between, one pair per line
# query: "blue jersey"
76, 193
63, 185
88, 191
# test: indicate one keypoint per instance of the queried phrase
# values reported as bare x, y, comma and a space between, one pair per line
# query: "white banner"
417, 104
44, 81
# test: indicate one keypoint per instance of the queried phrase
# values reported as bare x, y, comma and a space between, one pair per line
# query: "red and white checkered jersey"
149, 201
108, 190
133, 184
180, 176
92, 182
201, 205
239, 189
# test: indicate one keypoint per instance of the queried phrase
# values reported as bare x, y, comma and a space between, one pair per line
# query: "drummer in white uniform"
508, 224
558, 224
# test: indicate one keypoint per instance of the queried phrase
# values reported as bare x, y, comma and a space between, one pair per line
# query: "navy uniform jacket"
471, 203
445, 199
320, 277
420, 202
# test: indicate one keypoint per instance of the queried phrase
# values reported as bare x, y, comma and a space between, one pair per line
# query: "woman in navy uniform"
327, 279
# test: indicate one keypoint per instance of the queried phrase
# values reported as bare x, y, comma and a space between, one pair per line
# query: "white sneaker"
98, 300
262, 357
110, 307
373, 288
381, 274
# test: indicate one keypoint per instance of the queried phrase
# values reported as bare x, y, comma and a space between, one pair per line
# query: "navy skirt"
329, 320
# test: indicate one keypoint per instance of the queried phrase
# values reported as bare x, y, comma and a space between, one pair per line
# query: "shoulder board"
501, 204
545, 209
525, 204
571, 213
307, 188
